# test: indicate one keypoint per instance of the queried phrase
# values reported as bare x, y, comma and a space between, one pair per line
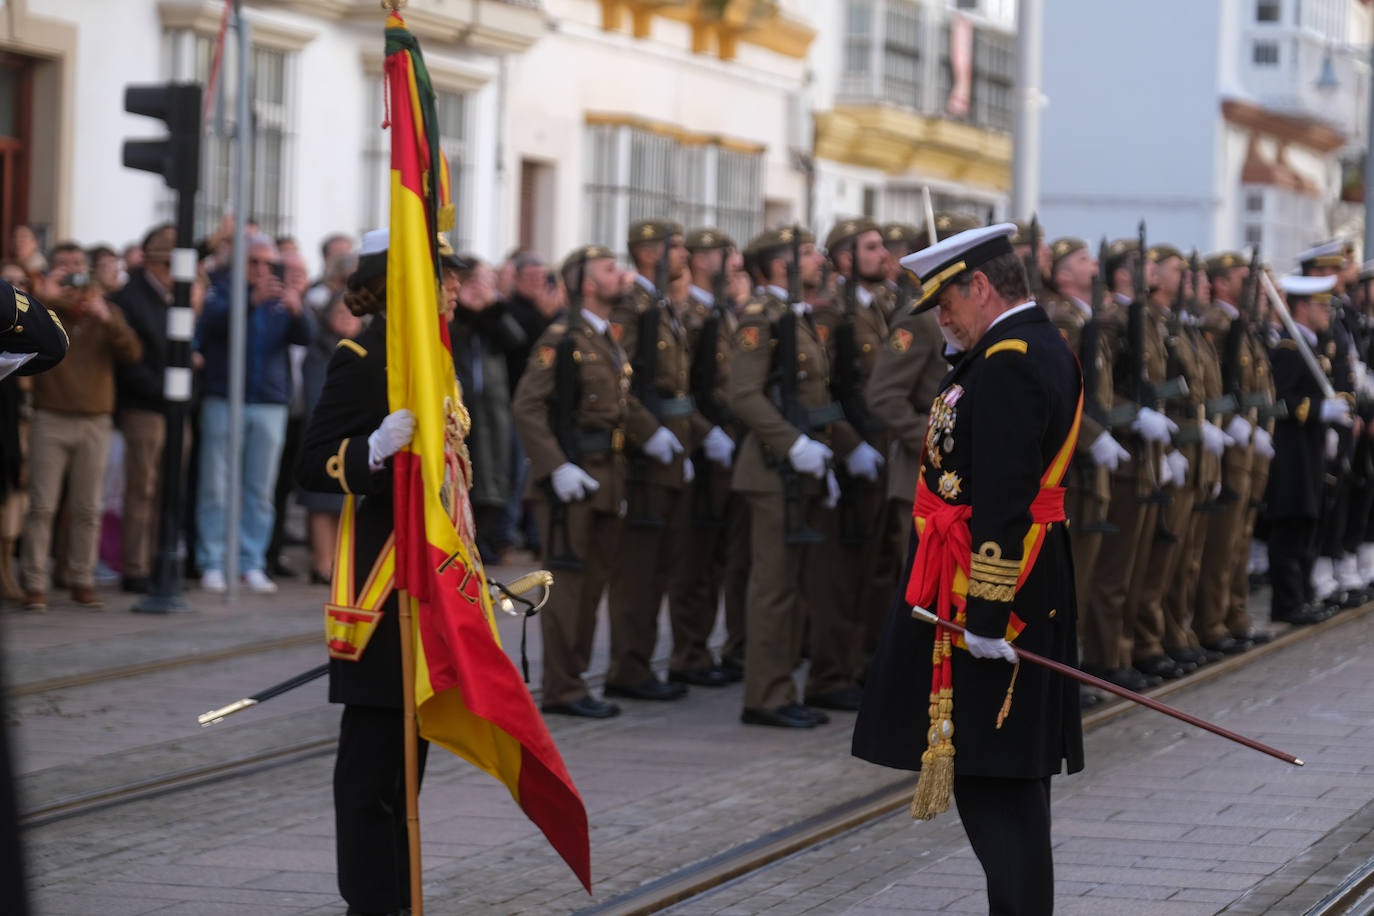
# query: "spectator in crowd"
132, 256
482, 333
25, 252
297, 280
335, 323
144, 301
276, 319
286, 246
70, 434
105, 270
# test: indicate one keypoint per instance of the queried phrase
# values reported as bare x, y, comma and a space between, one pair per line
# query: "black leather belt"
598, 441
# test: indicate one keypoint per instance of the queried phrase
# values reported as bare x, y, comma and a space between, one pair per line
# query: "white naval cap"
375, 241
944, 262
1327, 254
1304, 287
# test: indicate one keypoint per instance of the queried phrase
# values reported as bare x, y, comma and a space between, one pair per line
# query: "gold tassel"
1006, 702
936, 783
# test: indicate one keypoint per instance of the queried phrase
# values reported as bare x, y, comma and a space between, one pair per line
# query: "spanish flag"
469, 697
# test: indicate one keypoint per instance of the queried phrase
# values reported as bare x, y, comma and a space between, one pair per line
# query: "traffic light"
177, 158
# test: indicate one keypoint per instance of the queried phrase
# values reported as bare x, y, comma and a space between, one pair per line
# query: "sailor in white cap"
991, 552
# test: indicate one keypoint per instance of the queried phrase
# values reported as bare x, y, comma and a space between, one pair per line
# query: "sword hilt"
207, 719
540, 578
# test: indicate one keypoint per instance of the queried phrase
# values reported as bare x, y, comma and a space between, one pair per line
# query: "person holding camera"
276, 319
69, 439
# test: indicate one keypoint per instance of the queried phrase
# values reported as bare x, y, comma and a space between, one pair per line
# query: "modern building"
1222, 124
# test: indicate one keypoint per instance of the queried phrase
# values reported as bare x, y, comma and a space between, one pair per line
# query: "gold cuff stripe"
334, 467
989, 592
982, 575
354, 346
1005, 345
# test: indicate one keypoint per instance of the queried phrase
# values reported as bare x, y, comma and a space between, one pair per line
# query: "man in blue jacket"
275, 320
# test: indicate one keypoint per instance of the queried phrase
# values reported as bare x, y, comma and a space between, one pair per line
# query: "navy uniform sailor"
992, 552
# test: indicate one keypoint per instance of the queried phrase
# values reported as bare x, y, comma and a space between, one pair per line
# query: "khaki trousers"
1238, 619
1181, 594
1107, 622
842, 603
736, 577
70, 448
1085, 508
1151, 578
1224, 529
568, 622
145, 435
648, 557
697, 578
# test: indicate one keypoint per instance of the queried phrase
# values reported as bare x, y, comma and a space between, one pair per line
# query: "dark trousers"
1292, 550
1008, 825
370, 809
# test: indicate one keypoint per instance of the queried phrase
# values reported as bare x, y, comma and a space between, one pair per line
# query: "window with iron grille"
994, 75
635, 174
1267, 11
1266, 53
902, 54
451, 109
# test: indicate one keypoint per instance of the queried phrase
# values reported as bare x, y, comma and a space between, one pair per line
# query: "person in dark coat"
1301, 448
347, 448
991, 551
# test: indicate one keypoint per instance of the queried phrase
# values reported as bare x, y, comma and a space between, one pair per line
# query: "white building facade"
1222, 124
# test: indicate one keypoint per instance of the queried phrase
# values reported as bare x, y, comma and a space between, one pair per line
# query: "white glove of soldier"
809, 456
719, 447
1264, 443
982, 647
663, 445
1214, 441
1178, 467
1166, 471
1333, 444
864, 461
571, 483
832, 490
689, 470
1153, 425
1239, 429
1336, 410
1216, 491
1107, 452
393, 435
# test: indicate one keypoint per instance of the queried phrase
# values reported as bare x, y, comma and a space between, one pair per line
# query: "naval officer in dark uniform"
991, 552
347, 448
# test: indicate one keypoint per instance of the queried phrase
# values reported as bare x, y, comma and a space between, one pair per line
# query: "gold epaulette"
354, 346
1003, 346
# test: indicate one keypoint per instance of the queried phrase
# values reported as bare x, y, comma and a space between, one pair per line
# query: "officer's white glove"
393, 435
1336, 410
663, 445
1333, 444
1214, 441
1107, 452
864, 461
1264, 443
809, 456
1178, 467
1239, 429
1153, 425
982, 647
832, 490
571, 483
719, 447
689, 471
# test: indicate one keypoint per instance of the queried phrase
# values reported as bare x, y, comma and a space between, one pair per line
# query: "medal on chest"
940, 431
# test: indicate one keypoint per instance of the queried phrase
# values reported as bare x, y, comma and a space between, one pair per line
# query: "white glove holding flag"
1264, 443
1107, 452
1214, 441
393, 435
1239, 429
571, 483
809, 456
982, 647
719, 447
864, 461
1153, 425
663, 445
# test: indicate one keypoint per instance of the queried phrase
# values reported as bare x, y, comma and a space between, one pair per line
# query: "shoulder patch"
900, 341
617, 332
354, 346
544, 358
749, 338
823, 332
1003, 346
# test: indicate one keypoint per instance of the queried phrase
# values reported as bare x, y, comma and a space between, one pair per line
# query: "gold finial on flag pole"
393, 6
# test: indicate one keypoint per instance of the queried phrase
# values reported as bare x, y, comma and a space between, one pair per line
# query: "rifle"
1093, 475
563, 402
1033, 277
846, 387
704, 372
643, 384
1138, 379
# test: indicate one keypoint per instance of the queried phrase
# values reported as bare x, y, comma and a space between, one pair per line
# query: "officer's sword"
502, 596
1307, 356
922, 614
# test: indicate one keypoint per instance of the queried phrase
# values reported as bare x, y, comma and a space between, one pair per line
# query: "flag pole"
417, 905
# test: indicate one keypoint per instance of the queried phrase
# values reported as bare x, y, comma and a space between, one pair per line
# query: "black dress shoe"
279, 570
1188, 656
1129, 678
1087, 699
713, 676
734, 670
1256, 636
135, 585
1354, 598
790, 716
1228, 645
846, 699
588, 707
1301, 617
319, 578
1160, 666
816, 715
650, 689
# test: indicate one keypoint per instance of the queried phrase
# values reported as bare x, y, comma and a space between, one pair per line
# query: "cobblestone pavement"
1164, 821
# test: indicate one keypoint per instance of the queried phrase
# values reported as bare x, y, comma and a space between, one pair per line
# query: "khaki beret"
707, 238
1225, 260
777, 238
586, 253
903, 233
653, 230
1062, 248
1159, 253
847, 229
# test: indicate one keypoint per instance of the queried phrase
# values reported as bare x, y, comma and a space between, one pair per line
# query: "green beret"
1062, 248
586, 253
707, 238
653, 230
847, 229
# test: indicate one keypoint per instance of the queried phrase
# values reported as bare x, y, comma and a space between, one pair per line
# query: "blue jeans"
264, 430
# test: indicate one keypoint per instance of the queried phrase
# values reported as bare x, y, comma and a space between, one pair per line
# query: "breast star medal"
950, 486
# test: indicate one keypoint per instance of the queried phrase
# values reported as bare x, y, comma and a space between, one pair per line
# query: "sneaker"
257, 581
212, 580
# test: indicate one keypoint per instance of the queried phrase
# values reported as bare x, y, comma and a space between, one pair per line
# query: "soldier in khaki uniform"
590, 487
716, 526
1221, 622
863, 566
659, 520
783, 469
1108, 624
900, 240
1097, 453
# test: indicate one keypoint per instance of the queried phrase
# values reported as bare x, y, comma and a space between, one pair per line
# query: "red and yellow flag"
469, 697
